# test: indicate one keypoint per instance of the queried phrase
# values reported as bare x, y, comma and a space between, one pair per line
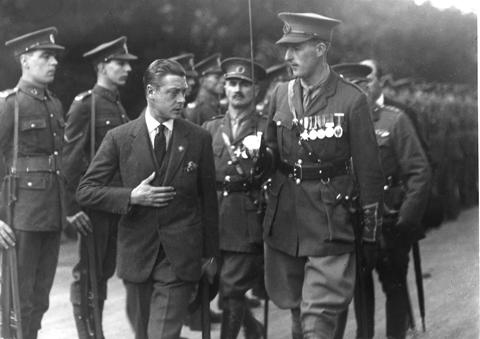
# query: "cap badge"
240, 69
287, 28
52, 39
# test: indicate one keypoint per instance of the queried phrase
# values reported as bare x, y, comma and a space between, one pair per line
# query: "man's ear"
150, 90
321, 48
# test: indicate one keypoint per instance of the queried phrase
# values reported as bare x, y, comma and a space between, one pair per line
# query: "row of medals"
322, 126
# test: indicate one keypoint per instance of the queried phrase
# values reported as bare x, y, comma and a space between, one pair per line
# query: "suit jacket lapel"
177, 149
142, 147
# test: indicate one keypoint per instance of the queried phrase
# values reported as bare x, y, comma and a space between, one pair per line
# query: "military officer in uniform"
35, 113
320, 130
407, 184
95, 111
207, 102
236, 140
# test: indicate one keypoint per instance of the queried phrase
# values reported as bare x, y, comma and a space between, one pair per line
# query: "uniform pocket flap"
34, 183
107, 122
33, 123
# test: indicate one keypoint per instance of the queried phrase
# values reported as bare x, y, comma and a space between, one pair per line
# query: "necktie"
306, 98
160, 144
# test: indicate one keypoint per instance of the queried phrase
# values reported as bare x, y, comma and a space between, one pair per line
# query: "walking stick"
417, 264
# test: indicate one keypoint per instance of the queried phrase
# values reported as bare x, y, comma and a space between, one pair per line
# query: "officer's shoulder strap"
216, 117
82, 96
6, 93
394, 109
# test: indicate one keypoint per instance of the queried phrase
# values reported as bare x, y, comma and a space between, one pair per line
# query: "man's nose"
288, 54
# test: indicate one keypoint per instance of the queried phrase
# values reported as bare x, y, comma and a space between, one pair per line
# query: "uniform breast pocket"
33, 182
33, 133
32, 124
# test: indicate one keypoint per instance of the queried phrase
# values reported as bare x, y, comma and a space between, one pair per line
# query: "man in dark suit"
167, 200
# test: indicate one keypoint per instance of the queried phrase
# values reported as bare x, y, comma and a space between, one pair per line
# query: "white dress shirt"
152, 127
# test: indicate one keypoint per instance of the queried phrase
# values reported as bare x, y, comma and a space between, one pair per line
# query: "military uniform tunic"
109, 113
38, 211
308, 219
240, 227
40, 177
408, 176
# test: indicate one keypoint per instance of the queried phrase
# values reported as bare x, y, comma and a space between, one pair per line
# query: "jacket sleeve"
93, 190
414, 169
208, 196
367, 168
75, 151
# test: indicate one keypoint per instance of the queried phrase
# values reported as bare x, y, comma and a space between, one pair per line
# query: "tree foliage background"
409, 40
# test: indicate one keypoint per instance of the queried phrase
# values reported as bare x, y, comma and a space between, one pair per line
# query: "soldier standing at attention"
97, 110
236, 141
318, 126
207, 103
407, 184
35, 113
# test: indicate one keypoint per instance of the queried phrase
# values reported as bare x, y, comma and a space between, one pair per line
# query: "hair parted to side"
158, 69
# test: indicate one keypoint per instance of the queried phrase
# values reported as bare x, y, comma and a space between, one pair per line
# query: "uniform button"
55, 152
32, 125
107, 122
54, 134
58, 172
51, 115
123, 116
29, 184
279, 123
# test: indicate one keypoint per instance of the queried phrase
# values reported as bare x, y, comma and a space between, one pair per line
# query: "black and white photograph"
251, 169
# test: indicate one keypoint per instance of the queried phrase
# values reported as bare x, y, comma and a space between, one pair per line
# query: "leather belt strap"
45, 163
314, 172
236, 186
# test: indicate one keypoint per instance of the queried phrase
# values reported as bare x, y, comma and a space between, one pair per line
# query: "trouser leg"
233, 313
392, 270
296, 324
327, 291
284, 277
37, 263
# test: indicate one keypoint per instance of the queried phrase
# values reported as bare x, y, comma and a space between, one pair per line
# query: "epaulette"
393, 109
216, 117
83, 95
6, 93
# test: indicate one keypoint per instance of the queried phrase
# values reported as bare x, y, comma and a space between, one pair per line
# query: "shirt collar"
106, 93
315, 87
381, 100
33, 90
152, 123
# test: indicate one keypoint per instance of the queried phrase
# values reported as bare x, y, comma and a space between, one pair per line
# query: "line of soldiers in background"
446, 115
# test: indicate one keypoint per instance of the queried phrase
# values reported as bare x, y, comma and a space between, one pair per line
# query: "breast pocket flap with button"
33, 183
33, 123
